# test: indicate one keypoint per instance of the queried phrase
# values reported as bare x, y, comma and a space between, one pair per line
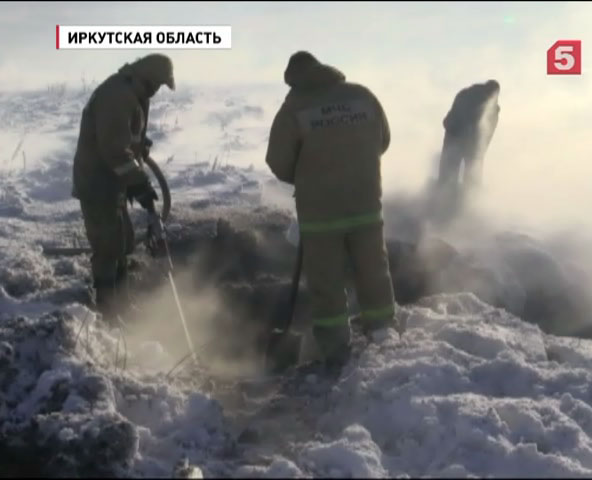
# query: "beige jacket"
327, 140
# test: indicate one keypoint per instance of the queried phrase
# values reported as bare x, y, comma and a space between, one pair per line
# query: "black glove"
146, 145
144, 194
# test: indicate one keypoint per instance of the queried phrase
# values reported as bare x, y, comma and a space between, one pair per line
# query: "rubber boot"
122, 280
106, 301
368, 327
122, 286
335, 346
282, 351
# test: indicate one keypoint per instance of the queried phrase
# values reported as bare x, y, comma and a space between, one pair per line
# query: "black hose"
164, 187
164, 214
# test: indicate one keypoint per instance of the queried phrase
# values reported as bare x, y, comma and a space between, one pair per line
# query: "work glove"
146, 145
144, 194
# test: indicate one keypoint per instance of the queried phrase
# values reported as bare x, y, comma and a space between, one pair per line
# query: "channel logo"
565, 58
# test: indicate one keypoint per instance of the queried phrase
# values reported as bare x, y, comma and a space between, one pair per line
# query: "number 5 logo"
565, 58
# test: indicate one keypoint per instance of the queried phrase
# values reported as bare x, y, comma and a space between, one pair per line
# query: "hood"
150, 73
312, 75
138, 84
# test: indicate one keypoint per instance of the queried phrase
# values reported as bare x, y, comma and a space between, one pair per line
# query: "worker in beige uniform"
108, 171
327, 140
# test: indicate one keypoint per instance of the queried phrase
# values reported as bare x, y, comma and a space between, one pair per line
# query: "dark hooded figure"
108, 170
469, 127
327, 140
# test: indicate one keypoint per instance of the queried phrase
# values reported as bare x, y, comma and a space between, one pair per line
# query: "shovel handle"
296, 279
285, 320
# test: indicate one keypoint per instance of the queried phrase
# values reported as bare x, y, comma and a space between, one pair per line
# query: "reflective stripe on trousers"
325, 259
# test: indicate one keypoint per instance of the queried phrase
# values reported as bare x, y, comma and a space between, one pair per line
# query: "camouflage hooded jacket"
112, 130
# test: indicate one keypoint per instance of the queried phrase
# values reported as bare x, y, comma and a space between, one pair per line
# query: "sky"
414, 55
380, 37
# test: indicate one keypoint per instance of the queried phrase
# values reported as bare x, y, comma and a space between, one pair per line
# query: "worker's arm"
114, 138
447, 122
284, 145
455, 119
115, 141
385, 129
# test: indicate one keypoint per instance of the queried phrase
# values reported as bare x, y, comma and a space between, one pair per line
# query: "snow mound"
63, 403
25, 271
354, 455
52, 182
279, 467
12, 202
469, 392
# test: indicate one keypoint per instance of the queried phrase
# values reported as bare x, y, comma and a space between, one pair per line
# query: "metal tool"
283, 346
157, 245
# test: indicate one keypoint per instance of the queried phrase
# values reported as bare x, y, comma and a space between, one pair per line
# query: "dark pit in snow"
246, 257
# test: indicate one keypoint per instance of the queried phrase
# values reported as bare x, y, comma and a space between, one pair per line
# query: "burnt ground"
244, 257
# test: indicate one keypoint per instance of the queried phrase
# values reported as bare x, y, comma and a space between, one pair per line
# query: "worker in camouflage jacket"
327, 140
108, 171
469, 127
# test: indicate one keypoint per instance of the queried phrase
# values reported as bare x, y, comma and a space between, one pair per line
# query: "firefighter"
469, 127
108, 171
327, 140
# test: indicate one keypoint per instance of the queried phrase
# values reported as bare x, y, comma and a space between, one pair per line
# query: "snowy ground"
472, 390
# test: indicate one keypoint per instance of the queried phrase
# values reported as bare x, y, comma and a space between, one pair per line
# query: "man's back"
337, 132
104, 120
327, 139
467, 107
469, 126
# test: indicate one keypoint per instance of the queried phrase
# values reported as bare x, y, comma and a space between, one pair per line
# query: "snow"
472, 390
451, 403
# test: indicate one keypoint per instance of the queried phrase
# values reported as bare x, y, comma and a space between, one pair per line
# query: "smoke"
520, 241
486, 128
203, 307
536, 170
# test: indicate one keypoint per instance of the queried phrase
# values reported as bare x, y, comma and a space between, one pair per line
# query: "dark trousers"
111, 237
456, 149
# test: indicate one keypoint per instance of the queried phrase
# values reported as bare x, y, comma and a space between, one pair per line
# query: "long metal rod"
189, 342
178, 302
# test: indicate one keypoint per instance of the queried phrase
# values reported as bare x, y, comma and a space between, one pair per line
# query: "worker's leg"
122, 279
104, 230
374, 287
450, 160
324, 270
474, 152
